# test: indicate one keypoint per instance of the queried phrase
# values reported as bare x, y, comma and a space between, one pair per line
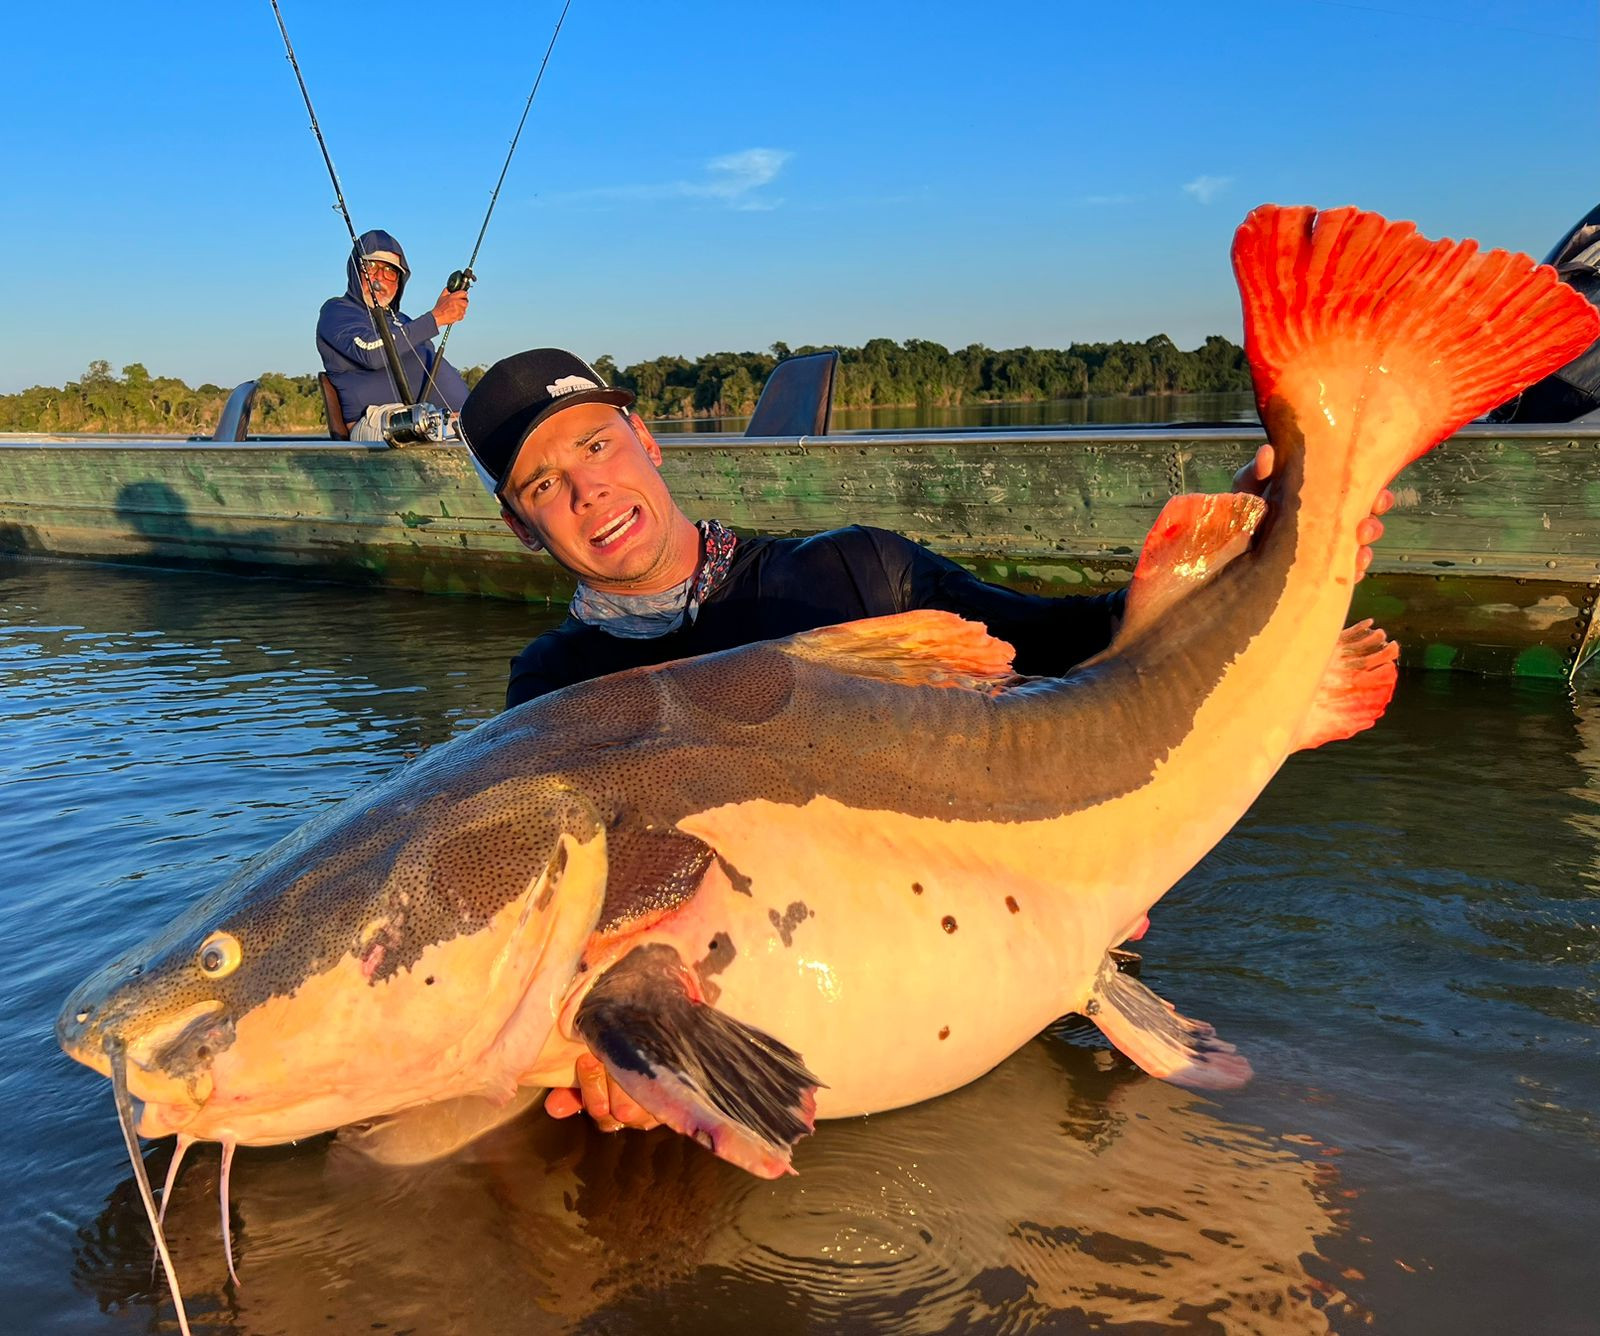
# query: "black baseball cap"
519, 392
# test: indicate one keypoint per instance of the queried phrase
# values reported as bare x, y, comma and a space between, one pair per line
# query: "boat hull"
1491, 562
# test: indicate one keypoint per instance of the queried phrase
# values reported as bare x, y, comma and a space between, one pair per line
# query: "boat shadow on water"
1063, 1191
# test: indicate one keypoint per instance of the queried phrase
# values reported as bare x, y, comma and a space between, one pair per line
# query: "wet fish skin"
372, 893
871, 846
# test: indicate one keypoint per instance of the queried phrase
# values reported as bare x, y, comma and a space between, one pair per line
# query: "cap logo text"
569, 385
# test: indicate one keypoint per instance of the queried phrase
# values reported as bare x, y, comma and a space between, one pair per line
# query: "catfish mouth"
168, 1062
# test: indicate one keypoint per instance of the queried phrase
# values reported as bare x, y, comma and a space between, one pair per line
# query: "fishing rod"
391, 354
463, 278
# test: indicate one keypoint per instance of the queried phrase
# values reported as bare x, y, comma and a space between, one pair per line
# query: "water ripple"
1401, 936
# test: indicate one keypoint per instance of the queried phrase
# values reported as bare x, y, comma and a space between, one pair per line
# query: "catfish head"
406, 946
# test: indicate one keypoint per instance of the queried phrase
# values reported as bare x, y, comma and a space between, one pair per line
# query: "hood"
367, 242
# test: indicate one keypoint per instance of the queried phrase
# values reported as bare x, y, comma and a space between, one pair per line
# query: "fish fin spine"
1192, 539
1158, 1039
1346, 313
922, 648
1356, 687
740, 1093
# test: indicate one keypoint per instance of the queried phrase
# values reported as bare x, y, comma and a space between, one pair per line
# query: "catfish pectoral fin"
1161, 1041
738, 1092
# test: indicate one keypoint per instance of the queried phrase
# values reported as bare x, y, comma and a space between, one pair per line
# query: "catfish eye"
219, 955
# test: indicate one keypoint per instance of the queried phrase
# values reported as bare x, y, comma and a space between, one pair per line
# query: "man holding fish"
845, 871
577, 474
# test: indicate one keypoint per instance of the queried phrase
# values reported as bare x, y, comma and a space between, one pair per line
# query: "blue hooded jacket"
352, 353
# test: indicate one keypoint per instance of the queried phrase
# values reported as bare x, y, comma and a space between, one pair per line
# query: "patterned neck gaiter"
646, 616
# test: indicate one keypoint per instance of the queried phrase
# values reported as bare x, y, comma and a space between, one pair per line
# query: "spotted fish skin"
881, 859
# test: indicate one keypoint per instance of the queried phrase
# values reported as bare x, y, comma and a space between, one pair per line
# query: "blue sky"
696, 177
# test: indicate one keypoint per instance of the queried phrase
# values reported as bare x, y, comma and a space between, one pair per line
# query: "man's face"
383, 281
586, 483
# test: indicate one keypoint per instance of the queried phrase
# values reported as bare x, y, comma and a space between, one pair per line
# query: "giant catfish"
859, 867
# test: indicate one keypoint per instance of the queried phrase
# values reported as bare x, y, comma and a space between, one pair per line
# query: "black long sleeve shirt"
782, 586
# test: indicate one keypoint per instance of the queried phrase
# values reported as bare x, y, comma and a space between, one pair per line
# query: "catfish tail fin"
1346, 313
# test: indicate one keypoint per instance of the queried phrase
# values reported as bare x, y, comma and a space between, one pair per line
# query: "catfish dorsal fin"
1356, 687
1349, 315
922, 648
1192, 539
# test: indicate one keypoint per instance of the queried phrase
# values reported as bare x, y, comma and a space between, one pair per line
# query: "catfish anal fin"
433, 1131
1356, 687
1158, 1039
1193, 538
738, 1092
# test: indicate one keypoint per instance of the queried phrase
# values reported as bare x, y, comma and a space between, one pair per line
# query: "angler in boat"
353, 355
369, 384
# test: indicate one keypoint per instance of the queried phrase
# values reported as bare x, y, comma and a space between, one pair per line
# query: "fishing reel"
416, 424
460, 280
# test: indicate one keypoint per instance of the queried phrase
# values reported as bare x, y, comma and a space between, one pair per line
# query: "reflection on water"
1107, 410
1103, 1201
1401, 936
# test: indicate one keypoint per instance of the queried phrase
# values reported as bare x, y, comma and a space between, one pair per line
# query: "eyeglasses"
381, 269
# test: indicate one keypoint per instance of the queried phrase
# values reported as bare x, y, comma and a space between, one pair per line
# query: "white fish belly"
900, 956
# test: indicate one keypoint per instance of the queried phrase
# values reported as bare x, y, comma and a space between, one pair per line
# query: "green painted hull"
1491, 562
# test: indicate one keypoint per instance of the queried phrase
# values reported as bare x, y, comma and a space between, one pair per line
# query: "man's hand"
1252, 478
451, 307
603, 1099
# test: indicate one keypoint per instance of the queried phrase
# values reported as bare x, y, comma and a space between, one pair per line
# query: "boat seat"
334, 409
234, 424
797, 399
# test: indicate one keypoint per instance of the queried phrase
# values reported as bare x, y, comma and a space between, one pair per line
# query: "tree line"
880, 373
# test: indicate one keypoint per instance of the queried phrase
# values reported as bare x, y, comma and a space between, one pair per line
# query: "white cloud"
734, 175
734, 179
1205, 189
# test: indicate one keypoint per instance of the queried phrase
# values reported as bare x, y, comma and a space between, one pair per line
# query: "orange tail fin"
1346, 312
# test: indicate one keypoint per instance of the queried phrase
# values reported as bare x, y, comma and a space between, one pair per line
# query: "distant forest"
881, 373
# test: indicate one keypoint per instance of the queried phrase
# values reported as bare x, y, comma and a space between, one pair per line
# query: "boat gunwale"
673, 440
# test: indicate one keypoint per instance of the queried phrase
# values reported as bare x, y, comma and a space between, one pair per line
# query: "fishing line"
391, 354
464, 278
